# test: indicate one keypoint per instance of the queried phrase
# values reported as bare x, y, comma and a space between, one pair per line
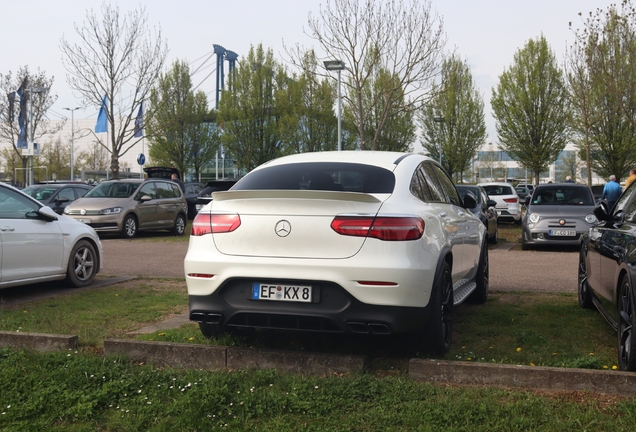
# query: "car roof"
382, 159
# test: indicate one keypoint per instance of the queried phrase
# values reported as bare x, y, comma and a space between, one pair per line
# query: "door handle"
7, 228
442, 214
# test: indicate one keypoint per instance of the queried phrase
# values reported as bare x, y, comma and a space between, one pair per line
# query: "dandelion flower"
531, 364
614, 367
605, 367
191, 339
591, 353
519, 349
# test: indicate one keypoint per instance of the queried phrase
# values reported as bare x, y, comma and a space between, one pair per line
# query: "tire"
130, 227
585, 297
495, 238
82, 264
480, 295
210, 331
626, 325
179, 225
525, 246
440, 326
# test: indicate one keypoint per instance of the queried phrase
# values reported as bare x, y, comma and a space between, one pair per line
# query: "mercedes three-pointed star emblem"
282, 228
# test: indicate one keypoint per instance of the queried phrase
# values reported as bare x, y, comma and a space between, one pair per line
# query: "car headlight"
66, 210
534, 218
590, 218
110, 211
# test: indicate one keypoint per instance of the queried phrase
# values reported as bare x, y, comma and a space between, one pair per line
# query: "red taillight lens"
205, 223
510, 200
383, 228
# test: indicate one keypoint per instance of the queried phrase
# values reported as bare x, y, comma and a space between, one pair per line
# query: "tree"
35, 127
602, 81
120, 59
56, 156
308, 123
251, 114
95, 158
176, 129
398, 130
404, 39
530, 106
454, 119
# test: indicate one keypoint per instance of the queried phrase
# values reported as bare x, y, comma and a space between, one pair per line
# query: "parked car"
132, 205
607, 276
484, 210
508, 206
39, 245
522, 192
57, 195
205, 195
529, 186
557, 214
338, 242
192, 191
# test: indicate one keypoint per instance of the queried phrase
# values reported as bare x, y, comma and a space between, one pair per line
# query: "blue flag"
139, 122
22, 117
101, 125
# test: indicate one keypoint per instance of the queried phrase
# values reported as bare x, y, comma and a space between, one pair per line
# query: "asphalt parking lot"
511, 269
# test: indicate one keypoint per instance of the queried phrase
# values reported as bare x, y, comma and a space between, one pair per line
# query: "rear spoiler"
296, 194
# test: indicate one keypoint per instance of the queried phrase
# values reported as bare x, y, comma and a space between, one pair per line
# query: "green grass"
75, 391
509, 233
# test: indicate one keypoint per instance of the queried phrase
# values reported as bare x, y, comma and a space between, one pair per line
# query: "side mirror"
491, 203
601, 211
61, 200
526, 200
47, 214
470, 201
145, 198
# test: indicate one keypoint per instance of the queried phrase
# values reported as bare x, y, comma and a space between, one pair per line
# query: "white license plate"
502, 206
279, 292
83, 220
562, 233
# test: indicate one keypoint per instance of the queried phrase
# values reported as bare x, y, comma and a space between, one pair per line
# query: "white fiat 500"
343, 242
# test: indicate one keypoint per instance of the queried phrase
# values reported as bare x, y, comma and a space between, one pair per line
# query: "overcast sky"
486, 33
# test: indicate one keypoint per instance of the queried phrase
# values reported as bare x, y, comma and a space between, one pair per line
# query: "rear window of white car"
494, 190
326, 176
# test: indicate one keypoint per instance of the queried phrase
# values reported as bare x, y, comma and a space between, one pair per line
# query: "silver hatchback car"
132, 205
558, 214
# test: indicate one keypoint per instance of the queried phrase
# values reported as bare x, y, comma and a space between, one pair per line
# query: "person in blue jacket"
611, 192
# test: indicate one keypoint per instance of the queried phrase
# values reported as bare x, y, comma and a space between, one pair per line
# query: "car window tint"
426, 189
66, 193
166, 190
430, 179
331, 176
147, 189
447, 186
80, 192
474, 190
622, 201
15, 206
415, 187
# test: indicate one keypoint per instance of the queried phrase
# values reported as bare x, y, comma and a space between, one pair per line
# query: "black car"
205, 196
607, 275
523, 192
57, 195
192, 191
485, 209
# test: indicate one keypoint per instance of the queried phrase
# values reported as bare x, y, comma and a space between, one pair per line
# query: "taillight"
397, 228
206, 223
510, 200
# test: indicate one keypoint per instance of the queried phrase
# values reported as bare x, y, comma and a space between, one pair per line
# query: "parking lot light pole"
72, 110
337, 65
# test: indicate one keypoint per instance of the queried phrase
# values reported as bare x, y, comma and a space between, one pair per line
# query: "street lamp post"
72, 110
439, 119
337, 65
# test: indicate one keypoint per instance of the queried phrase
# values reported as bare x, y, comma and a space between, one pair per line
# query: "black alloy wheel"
585, 297
480, 295
626, 323
440, 325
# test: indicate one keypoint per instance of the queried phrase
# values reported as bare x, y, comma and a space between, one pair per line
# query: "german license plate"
83, 220
280, 292
562, 233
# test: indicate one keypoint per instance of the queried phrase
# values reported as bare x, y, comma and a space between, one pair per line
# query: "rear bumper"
332, 311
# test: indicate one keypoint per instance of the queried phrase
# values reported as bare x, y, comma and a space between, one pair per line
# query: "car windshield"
112, 190
326, 176
38, 192
494, 190
562, 195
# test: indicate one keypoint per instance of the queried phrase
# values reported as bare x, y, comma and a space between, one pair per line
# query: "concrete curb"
37, 341
525, 377
208, 357
193, 356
